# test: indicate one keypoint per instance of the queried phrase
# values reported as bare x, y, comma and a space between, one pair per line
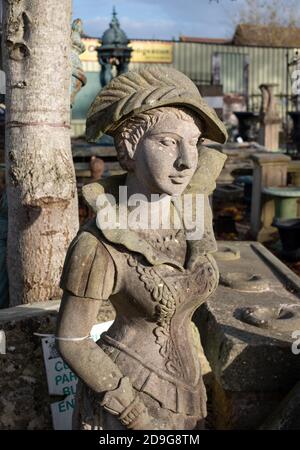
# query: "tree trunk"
40, 177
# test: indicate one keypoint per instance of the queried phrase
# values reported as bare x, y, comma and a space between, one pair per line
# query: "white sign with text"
61, 380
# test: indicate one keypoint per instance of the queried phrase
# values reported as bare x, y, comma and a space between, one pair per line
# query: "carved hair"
134, 129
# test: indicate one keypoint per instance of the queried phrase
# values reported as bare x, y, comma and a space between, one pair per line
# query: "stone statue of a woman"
144, 372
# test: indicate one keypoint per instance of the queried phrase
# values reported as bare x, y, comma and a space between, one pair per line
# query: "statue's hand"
118, 400
127, 405
130, 409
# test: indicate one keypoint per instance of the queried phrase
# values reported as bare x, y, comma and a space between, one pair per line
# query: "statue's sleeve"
89, 269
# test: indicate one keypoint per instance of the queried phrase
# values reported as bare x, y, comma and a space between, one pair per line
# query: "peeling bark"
40, 177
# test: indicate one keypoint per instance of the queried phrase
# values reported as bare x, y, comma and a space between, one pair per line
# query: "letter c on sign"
58, 366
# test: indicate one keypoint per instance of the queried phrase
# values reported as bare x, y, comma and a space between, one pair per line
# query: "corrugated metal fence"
241, 69
262, 64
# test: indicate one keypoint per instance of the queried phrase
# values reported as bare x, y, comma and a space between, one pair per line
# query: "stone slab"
287, 415
244, 357
241, 410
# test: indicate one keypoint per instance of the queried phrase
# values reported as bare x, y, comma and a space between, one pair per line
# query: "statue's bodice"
151, 339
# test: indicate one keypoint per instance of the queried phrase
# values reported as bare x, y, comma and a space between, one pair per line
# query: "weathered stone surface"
238, 157
294, 170
244, 357
287, 414
240, 410
253, 366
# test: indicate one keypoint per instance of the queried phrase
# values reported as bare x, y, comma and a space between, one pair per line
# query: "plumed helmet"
151, 87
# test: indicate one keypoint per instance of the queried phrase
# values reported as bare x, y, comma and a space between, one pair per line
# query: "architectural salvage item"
270, 170
286, 199
144, 372
78, 47
248, 125
114, 51
97, 168
294, 171
269, 118
289, 233
295, 133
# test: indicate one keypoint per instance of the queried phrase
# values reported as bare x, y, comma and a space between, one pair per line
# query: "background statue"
270, 122
144, 372
78, 47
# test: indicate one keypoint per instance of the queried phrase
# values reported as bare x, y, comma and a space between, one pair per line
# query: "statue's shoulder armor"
89, 269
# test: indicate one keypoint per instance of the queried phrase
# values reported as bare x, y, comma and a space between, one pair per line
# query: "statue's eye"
168, 141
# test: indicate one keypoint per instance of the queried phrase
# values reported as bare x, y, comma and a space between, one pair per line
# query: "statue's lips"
178, 179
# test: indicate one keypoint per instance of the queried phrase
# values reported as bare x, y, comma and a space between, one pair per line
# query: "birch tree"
40, 178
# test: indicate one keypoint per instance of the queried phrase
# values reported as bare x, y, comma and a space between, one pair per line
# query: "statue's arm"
76, 317
88, 277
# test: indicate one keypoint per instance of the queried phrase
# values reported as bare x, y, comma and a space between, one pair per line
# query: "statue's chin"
175, 190
167, 188
172, 192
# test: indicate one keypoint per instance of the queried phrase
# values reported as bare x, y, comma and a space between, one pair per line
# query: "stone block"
240, 410
246, 333
287, 415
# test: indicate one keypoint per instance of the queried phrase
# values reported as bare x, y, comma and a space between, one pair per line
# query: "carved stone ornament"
78, 47
144, 372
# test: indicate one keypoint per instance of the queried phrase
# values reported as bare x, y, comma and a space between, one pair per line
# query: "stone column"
270, 170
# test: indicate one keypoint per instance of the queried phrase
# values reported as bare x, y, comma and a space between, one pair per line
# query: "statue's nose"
185, 159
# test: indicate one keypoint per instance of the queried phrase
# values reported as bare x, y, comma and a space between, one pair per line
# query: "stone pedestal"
246, 333
268, 135
294, 170
295, 134
270, 170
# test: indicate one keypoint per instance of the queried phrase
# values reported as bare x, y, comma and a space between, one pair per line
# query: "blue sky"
159, 19
167, 19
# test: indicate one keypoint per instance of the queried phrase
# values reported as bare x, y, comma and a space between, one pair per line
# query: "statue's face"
166, 156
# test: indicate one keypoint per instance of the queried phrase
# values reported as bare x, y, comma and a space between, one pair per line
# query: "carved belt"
171, 393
